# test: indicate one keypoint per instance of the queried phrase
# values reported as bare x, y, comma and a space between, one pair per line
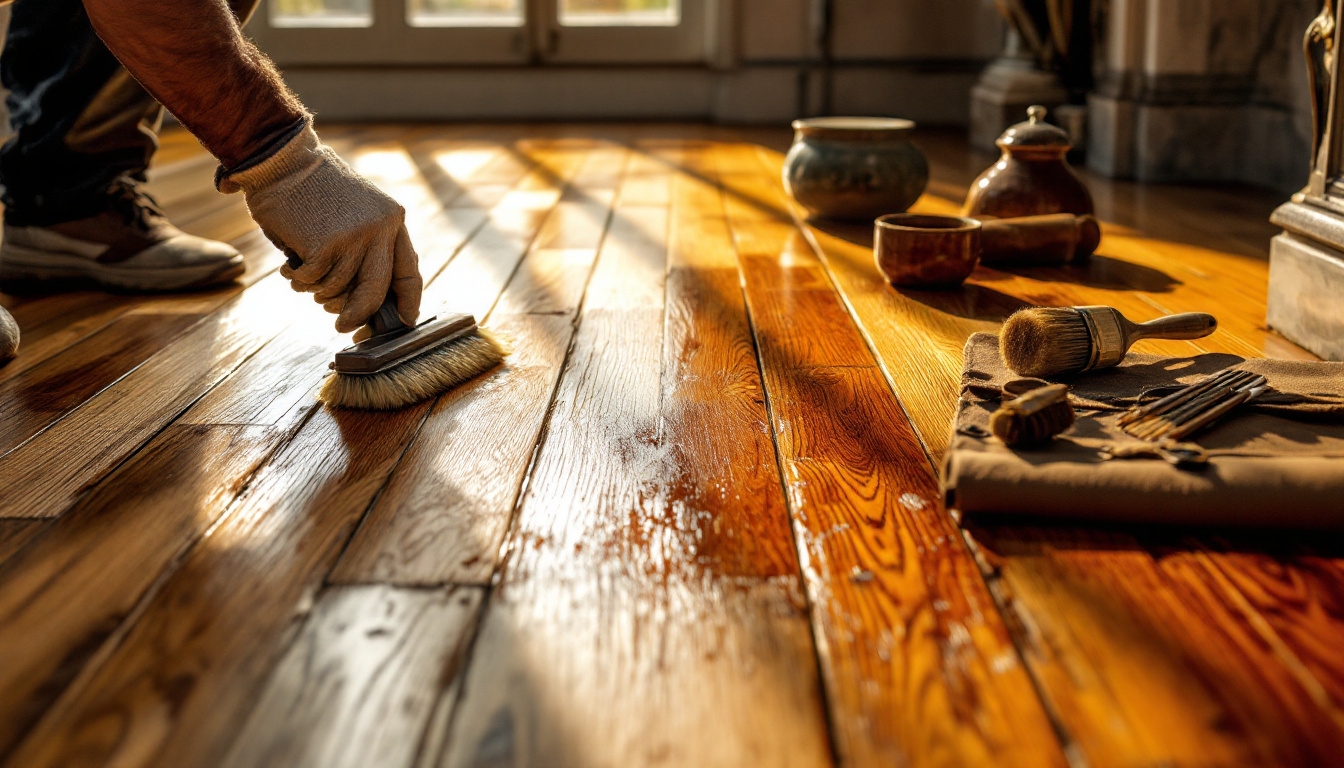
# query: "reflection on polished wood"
694, 521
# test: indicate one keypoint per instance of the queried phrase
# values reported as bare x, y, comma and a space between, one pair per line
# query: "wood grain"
920, 669
33, 400
54, 468
1141, 662
358, 686
177, 686
75, 585
1148, 666
445, 512
665, 593
109, 549
625, 630
14, 534
443, 516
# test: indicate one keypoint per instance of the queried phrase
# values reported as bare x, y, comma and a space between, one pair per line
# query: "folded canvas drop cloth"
1279, 462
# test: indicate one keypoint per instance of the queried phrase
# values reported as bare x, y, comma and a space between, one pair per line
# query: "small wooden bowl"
918, 251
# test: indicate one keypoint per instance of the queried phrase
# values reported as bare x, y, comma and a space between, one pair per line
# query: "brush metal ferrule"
1108, 336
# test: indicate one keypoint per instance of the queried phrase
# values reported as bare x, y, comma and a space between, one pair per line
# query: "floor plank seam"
109, 645
373, 501
1018, 624
550, 407
824, 691
423, 760
502, 560
1069, 746
204, 318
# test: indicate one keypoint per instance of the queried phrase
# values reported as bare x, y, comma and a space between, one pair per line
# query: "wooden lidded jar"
1031, 177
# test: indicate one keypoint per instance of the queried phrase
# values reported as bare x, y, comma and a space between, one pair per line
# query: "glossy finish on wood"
693, 521
920, 669
358, 685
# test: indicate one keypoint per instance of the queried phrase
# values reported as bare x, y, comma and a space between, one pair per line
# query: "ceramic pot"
915, 251
854, 167
1031, 178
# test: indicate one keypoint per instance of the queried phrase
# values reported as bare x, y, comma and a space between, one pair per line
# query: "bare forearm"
192, 57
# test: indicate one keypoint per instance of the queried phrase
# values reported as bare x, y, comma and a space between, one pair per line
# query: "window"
619, 13
464, 13
321, 13
354, 32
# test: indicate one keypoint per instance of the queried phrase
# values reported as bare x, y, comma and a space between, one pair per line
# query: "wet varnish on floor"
693, 522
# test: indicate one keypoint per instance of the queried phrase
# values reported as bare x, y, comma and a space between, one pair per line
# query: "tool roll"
1278, 461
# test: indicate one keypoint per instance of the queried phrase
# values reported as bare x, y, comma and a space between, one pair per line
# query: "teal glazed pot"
854, 167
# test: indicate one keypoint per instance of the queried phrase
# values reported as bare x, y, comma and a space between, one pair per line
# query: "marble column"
1203, 90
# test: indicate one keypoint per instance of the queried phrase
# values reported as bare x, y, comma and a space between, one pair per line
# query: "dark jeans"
81, 122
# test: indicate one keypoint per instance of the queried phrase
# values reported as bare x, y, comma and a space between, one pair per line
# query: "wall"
1204, 90
910, 58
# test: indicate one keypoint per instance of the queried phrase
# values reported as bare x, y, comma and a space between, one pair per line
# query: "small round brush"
1058, 341
1035, 417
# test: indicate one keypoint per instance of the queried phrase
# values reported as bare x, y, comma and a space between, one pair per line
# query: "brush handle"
1038, 241
1189, 325
385, 320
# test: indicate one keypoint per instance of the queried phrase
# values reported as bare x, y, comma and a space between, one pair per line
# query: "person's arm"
191, 55
350, 237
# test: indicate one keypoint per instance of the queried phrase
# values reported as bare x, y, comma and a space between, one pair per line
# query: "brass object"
1032, 177
1318, 45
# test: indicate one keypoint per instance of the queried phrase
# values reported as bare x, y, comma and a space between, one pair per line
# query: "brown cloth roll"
1279, 462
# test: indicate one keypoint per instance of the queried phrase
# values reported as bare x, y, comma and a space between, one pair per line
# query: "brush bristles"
1033, 418
1046, 341
420, 378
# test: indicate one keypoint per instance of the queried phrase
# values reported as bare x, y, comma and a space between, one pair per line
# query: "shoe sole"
29, 269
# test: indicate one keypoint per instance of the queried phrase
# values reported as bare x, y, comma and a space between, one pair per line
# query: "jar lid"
1034, 133
853, 128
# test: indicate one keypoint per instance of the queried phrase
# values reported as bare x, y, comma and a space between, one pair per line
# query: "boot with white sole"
129, 246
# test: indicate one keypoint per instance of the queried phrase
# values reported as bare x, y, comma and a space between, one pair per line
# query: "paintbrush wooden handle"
1190, 325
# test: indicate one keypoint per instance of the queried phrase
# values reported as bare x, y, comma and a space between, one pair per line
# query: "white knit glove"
350, 236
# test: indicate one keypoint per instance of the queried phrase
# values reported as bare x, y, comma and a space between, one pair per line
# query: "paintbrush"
1166, 425
1054, 341
1179, 397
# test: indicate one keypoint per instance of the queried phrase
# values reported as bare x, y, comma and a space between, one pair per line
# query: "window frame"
391, 40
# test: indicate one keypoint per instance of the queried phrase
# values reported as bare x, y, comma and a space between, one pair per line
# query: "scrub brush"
399, 365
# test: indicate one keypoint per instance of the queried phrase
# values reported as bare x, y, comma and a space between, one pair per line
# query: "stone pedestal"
1009, 85
1306, 278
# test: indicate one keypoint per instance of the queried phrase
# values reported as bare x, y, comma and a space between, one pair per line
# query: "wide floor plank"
359, 685
625, 630
446, 510
920, 668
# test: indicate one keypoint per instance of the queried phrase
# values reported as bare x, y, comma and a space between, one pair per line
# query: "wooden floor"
694, 522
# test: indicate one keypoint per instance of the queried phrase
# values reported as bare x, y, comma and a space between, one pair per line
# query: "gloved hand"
350, 236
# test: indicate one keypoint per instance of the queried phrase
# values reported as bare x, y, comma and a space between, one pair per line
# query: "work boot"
129, 246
